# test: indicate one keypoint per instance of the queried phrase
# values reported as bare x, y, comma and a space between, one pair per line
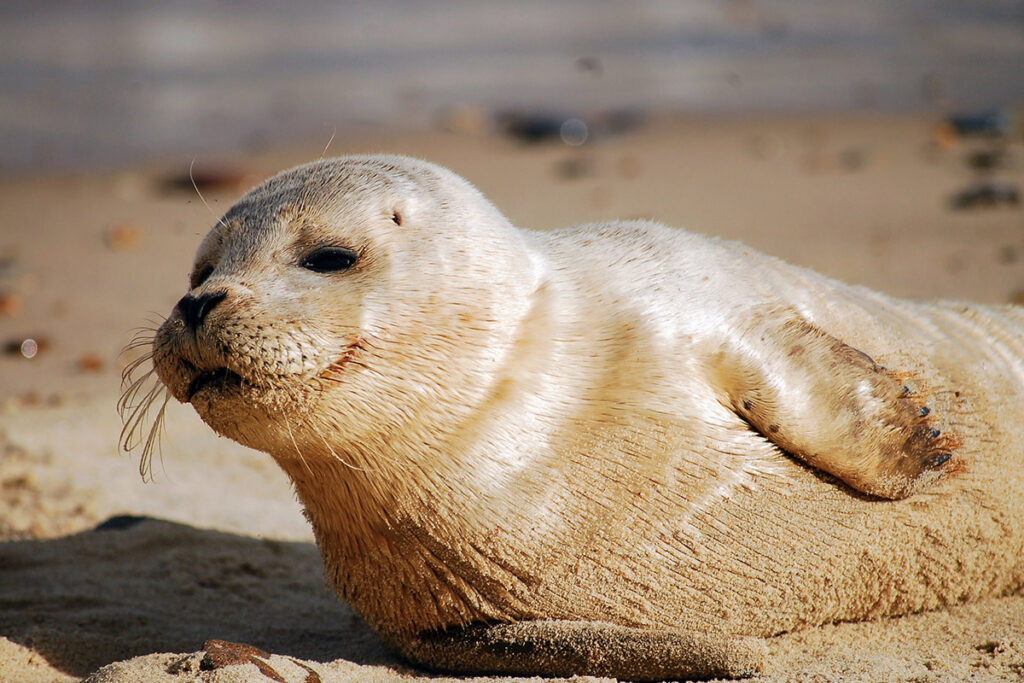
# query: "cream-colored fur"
585, 427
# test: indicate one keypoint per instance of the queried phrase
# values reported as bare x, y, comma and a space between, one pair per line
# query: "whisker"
313, 168
150, 327
143, 333
138, 343
220, 221
128, 396
136, 400
153, 441
136, 411
339, 458
142, 339
298, 451
132, 367
324, 153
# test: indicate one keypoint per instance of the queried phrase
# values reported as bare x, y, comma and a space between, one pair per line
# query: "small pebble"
210, 178
994, 123
1007, 254
26, 347
945, 136
90, 362
590, 65
853, 159
35, 399
986, 159
10, 304
122, 237
986, 194
574, 167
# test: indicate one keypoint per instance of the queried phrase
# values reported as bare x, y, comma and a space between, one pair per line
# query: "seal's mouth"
221, 378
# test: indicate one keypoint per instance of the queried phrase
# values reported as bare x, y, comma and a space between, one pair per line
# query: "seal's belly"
758, 543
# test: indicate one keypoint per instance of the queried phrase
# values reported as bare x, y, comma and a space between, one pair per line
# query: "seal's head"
322, 292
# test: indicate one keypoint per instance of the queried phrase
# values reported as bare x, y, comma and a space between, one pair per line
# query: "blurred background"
876, 141
113, 81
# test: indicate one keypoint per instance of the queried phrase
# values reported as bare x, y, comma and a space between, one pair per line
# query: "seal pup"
616, 449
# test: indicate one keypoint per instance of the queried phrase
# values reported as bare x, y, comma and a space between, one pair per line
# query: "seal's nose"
194, 309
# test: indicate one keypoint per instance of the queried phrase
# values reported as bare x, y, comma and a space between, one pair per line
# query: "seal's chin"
218, 379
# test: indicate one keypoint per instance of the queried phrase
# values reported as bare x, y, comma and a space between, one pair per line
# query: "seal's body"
619, 448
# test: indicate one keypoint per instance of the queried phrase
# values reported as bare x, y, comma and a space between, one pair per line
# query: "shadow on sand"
135, 586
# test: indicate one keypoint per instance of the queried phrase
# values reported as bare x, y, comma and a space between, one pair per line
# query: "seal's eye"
329, 260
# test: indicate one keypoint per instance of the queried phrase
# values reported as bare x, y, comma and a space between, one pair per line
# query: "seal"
615, 449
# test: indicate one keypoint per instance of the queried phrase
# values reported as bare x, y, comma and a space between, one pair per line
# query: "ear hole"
396, 217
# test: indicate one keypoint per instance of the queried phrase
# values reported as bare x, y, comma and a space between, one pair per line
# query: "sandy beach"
104, 577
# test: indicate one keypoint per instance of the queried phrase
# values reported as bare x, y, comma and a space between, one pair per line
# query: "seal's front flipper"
832, 406
568, 648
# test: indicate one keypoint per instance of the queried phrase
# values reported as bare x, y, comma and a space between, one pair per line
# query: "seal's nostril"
194, 309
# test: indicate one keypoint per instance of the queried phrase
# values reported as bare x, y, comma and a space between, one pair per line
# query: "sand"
217, 547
